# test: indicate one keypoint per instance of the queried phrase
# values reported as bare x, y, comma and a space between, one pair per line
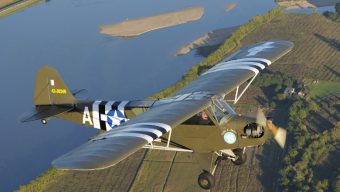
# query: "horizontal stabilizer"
44, 112
80, 94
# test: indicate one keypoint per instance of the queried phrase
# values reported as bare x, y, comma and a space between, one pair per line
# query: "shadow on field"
332, 70
261, 100
270, 164
331, 42
205, 51
268, 95
272, 155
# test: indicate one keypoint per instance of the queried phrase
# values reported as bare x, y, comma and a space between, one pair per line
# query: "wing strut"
167, 147
238, 97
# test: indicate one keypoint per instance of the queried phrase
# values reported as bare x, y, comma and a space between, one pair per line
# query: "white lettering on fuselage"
87, 116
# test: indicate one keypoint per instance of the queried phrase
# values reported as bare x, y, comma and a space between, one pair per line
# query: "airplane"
195, 119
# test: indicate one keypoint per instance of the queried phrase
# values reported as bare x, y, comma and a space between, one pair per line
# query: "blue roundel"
230, 137
115, 118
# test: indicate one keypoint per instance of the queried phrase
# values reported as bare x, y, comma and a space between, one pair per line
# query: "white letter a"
87, 116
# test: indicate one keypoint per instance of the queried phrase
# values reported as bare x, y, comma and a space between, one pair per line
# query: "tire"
44, 121
206, 180
241, 157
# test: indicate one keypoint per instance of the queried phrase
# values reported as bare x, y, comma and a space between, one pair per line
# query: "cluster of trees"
307, 151
278, 82
229, 45
334, 16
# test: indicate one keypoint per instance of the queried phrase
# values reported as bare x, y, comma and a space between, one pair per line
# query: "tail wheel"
206, 180
44, 121
241, 157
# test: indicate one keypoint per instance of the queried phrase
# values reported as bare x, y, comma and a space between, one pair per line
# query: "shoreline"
212, 38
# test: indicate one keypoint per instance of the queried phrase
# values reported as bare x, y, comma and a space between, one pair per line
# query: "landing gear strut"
240, 157
206, 180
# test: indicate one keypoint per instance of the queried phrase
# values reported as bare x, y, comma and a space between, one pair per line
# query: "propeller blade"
280, 137
261, 118
279, 133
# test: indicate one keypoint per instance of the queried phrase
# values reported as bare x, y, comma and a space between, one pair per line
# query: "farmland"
324, 88
316, 52
315, 57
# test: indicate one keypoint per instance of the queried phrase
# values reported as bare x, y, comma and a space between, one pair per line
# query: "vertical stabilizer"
50, 89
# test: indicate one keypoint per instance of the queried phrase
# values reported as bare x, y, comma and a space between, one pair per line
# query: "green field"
324, 88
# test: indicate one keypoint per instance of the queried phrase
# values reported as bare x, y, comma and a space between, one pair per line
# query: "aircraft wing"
238, 68
115, 145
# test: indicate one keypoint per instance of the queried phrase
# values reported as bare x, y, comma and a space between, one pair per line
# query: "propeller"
278, 132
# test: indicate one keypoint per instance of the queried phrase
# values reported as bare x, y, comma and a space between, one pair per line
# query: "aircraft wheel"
44, 121
206, 180
241, 157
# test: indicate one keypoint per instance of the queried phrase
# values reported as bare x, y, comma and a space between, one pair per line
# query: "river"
65, 34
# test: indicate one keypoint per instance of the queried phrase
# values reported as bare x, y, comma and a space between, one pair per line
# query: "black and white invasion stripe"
252, 64
101, 108
148, 131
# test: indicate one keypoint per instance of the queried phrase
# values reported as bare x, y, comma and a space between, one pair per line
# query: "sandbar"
230, 7
135, 27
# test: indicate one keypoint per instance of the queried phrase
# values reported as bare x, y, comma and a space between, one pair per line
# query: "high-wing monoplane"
195, 119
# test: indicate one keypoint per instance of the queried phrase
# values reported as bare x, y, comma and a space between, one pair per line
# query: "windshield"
221, 110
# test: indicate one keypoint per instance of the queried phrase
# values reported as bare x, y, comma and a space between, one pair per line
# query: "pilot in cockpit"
203, 118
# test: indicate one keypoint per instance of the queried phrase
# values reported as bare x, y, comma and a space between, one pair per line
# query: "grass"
42, 182
324, 88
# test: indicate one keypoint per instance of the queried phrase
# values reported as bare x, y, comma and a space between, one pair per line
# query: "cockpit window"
221, 110
201, 118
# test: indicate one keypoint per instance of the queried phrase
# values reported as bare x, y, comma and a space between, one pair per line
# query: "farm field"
315, 56
324, 88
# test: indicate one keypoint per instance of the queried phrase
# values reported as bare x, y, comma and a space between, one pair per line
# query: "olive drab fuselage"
203, 137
